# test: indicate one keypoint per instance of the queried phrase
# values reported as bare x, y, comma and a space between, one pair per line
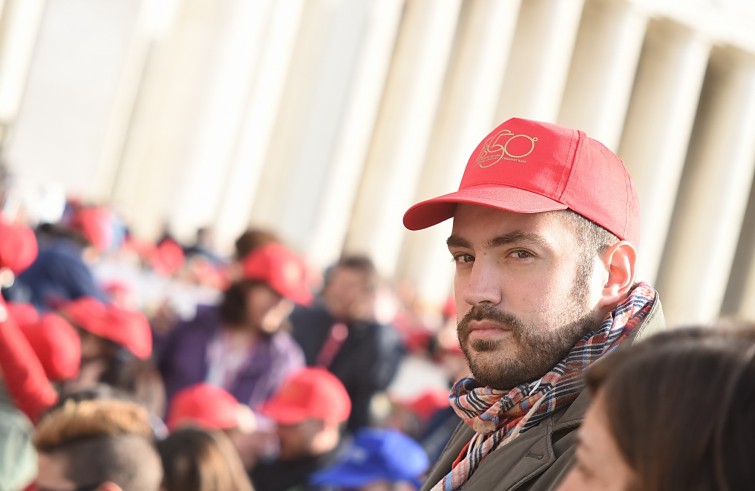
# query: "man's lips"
485, 329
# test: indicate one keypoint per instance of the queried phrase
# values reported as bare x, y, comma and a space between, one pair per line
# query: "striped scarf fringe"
498, 417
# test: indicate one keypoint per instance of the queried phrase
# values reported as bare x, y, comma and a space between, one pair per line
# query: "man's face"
524, 293
347, 295
266, 310
298, 440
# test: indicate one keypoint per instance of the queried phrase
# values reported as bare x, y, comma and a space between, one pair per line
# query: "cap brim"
284, 414
300, 295
433, 211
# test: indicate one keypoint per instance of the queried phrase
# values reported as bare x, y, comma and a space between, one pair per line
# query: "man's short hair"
593, 238
100, 441
360, 263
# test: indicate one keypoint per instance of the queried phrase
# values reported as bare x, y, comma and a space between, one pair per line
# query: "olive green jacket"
538, 459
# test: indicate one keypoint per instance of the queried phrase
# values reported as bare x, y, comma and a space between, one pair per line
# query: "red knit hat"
280, 268
127, 328
56, 344
309, 393
527, 166
204, 405
18, 246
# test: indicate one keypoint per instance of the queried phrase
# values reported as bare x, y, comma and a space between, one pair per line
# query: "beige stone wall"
325, 119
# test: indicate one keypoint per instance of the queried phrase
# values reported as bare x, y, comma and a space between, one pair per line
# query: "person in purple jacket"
241, 344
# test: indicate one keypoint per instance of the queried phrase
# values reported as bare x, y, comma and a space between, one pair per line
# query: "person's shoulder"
305, 312
206, 318
283, 340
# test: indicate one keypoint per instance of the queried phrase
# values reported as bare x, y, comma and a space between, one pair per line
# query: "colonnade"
326, 119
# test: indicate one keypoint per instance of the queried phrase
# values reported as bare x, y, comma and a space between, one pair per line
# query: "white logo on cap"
496, 148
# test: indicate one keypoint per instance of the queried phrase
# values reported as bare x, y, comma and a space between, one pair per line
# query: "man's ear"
108, 486
620, 260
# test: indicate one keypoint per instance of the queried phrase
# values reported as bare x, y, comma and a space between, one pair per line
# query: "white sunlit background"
325, 119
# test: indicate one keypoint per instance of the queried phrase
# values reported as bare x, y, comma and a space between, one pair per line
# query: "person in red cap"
310, 411
62, 270
240, 344
544, 238
116, 349
213, 408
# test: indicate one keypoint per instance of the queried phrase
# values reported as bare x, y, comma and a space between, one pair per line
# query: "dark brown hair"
198, 460
232, 309
681, 406
252, 239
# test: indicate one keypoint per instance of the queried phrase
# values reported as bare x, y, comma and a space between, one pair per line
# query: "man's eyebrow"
456, 241
501, 240
517, 237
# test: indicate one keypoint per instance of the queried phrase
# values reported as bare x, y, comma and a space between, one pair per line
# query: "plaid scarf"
498, 417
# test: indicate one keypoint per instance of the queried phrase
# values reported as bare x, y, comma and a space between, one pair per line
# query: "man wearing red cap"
239, 344
62, 270
544, 237
309, 410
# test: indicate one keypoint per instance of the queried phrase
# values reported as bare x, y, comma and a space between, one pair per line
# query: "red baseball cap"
167, 258
127, 328
22, 312
527, 166
204, 405
18, 246
95, 224
281, 269
56, 344
428, 402
309, 393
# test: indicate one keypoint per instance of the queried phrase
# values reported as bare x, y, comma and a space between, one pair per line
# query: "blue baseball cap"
376, 454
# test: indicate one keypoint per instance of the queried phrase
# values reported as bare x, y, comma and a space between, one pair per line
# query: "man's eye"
463, 258
521, 254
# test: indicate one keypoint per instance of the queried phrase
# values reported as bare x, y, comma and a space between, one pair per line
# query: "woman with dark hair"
199, 460
675, 412
241, 344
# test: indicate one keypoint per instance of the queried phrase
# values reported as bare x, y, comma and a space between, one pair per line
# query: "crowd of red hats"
46, 348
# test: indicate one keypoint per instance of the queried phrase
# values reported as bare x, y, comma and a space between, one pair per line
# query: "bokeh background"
325, 119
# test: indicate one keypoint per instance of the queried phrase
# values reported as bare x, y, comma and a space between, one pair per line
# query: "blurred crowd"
169, 365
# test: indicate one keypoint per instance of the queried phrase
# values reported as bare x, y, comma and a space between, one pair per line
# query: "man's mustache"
488, 313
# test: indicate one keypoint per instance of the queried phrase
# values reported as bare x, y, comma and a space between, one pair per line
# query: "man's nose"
483, 285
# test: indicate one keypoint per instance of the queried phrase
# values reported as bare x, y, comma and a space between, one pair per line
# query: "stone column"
713, 193
19, 28
602, 70
467, 112
658, 126
68, 96
402, 136
321, 136
329, 219
741, 288
261, 105
539, 61
186, 126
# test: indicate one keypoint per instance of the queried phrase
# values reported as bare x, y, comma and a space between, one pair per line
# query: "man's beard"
494, 364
